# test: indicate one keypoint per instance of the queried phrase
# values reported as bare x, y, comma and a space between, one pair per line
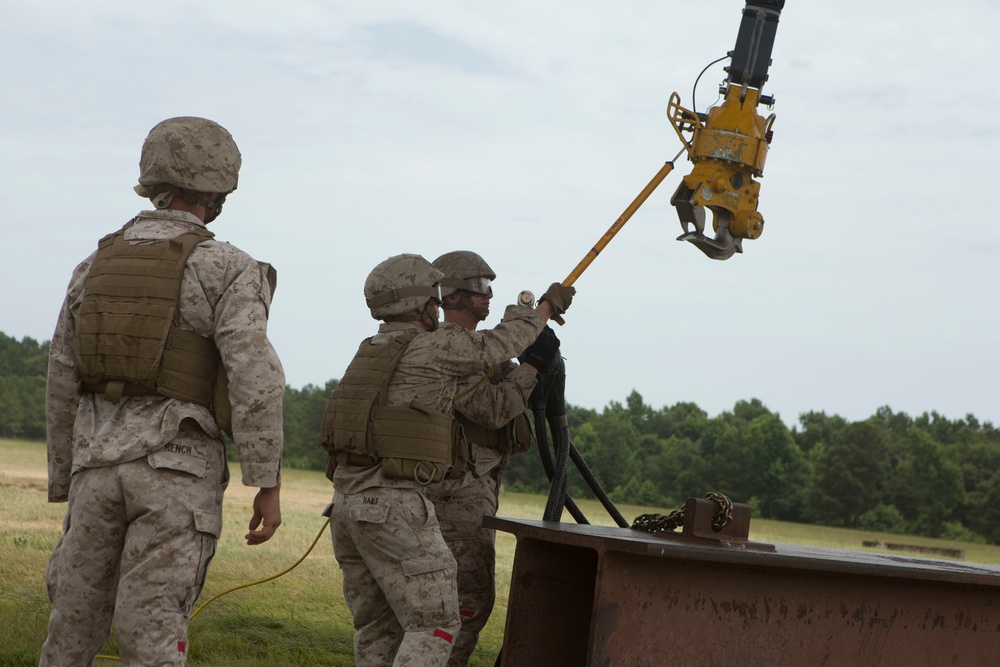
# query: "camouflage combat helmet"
400, 284
193, 154
460, 268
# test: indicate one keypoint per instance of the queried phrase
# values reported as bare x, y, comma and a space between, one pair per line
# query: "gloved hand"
542, 351
559, 297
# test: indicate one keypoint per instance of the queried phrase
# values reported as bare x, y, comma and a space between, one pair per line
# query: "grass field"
298, 618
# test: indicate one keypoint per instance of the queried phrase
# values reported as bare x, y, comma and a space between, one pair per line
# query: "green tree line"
923, 475
22, 387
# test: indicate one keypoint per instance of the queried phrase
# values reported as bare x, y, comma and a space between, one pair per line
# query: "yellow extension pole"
619, 223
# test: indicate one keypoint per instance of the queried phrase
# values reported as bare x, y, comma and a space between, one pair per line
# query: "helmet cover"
190, 153
400, 284
459, 267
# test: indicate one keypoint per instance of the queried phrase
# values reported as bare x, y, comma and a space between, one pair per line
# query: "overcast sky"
521, 130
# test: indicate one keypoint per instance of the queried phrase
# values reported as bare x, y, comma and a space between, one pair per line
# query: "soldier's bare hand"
266, 515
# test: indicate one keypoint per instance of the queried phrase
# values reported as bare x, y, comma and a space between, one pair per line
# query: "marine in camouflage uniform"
399, 575
492, 412
144, 473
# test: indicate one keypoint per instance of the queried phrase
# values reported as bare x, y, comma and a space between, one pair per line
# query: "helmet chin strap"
213, 208
428, 317
162, 200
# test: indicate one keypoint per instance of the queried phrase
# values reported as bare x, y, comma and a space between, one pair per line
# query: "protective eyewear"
479, 285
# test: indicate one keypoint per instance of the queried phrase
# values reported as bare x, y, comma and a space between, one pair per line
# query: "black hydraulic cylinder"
752, 55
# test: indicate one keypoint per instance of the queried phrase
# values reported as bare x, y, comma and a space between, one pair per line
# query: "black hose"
559, 487
595, 486
555, 414
541, 435
549, 407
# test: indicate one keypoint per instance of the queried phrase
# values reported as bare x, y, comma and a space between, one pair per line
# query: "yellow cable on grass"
275, 576
252, 583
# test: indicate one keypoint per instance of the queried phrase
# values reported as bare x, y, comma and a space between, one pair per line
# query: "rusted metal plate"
601, 596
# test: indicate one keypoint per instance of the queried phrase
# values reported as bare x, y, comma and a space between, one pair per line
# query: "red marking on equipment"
467, 613
448, 637
182, 646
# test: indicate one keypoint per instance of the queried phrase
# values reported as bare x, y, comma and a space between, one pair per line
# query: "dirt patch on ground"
30, 483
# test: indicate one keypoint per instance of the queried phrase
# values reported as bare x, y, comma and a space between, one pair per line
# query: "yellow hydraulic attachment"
728, 145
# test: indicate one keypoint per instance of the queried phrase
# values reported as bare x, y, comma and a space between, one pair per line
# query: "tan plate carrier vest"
127, 338
513, 437
409, 442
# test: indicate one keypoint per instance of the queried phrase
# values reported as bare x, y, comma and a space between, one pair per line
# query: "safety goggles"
479, 285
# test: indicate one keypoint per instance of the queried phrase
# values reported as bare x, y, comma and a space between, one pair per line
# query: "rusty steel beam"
585, 595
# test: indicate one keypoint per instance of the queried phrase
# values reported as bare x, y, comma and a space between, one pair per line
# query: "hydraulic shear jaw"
723, 245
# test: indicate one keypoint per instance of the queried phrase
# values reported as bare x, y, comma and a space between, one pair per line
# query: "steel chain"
724, 516
657, 523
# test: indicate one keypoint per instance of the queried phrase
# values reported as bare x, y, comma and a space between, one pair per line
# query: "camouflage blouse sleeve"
468, 352
62, 392
495, 401
256, 378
